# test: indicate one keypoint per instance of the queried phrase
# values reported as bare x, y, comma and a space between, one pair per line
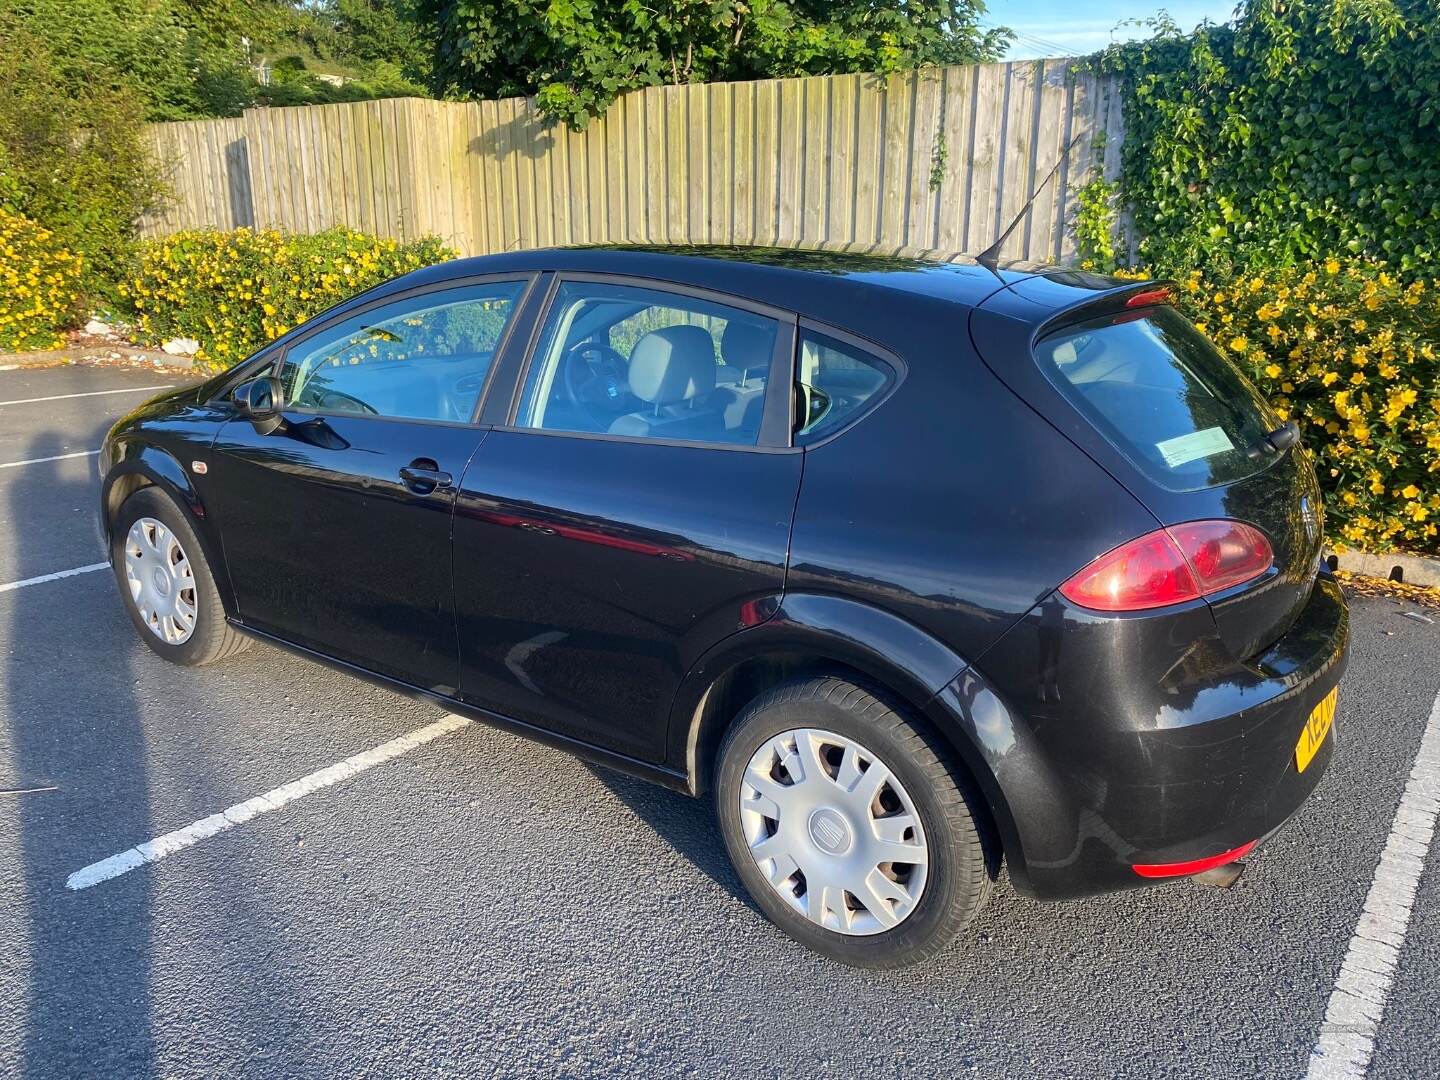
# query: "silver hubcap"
833, 831
162, 585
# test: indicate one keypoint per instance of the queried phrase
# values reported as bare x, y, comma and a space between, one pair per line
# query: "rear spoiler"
1111, 300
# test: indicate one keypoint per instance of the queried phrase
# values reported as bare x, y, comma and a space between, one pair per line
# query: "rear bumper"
1105, 758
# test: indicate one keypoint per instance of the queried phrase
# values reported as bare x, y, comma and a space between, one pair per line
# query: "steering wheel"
327, 400
597, 379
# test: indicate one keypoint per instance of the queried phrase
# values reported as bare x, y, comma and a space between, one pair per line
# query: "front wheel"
167, 584
850, 825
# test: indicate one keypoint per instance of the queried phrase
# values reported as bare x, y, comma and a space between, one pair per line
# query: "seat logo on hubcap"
830, 831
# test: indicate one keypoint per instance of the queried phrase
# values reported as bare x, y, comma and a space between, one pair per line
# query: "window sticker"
1184, 449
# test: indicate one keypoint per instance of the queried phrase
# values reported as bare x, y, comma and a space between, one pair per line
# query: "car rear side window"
1163, 395
834, 383
647, 363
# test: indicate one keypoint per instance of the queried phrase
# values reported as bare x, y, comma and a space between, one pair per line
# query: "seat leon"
917, 568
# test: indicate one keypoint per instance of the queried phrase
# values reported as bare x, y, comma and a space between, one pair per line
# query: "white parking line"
12, 585
156, 849
1347, 1038
88, 393
56, 457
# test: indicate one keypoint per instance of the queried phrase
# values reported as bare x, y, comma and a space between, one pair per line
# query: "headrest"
672, 364
747, 345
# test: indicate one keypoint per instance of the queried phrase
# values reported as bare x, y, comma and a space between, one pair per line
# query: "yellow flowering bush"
1352, 352
39, 285
234, 291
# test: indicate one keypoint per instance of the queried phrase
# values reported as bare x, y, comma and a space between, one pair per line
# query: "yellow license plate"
1316, 728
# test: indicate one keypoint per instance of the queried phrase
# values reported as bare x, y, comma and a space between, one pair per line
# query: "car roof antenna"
990, 257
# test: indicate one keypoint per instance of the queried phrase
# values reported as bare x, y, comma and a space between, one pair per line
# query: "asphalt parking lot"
482, 906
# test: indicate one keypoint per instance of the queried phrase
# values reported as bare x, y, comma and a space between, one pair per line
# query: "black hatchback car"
915, 565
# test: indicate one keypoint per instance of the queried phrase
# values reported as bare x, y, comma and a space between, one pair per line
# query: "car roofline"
953, 277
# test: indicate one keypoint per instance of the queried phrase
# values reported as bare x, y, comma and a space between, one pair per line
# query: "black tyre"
851, 826
167, 584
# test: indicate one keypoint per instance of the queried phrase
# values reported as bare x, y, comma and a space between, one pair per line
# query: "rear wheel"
850, 825
167, 584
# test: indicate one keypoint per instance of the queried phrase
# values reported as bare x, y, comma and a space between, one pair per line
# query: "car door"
336, 526
630, 509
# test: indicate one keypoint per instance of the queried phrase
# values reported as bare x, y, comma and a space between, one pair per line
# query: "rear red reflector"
1171, 566
1149, 297
1194, 866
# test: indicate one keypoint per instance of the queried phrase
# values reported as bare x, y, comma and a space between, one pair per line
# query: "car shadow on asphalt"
89, 953
687, 825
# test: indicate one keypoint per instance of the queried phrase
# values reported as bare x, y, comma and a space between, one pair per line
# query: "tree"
193, 58
577, 56
110, 44
384, 32
72, 153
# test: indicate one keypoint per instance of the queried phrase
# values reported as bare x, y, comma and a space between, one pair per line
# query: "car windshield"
1164, 396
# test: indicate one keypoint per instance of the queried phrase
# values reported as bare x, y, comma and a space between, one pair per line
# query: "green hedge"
234, 291
1303, 130
39, 285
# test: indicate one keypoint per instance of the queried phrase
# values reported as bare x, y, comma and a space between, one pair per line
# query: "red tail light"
1223, 553
1170, 566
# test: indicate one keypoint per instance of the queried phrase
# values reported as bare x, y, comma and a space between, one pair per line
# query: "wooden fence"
943, 158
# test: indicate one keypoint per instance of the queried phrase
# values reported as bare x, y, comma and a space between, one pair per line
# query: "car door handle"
424, 477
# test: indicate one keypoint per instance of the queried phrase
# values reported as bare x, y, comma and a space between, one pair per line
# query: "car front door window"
421, 358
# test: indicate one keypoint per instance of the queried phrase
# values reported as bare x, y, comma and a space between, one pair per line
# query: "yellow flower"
1410, 491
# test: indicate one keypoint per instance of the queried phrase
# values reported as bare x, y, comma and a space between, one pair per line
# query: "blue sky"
1068, 27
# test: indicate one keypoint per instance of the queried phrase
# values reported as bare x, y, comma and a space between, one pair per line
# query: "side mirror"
262, 402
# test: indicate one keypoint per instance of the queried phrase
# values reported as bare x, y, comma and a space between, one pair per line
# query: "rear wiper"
1277, 441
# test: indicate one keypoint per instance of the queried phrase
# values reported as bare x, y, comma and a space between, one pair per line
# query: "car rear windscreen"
1163, 395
